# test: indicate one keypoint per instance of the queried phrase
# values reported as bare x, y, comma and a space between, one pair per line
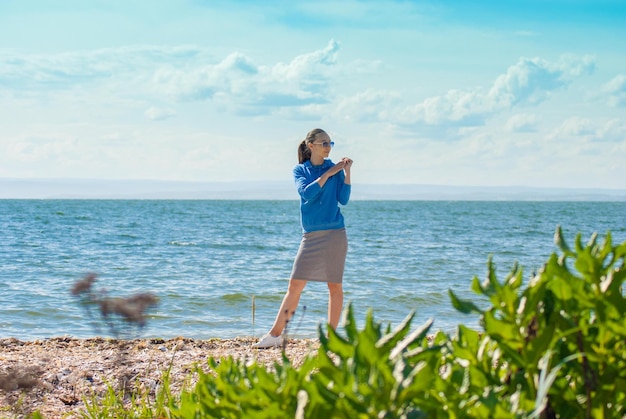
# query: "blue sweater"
319, 206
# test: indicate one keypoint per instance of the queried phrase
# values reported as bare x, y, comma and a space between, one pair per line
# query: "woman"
322, 186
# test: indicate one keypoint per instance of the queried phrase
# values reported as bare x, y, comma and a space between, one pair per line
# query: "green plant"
240, 387
366, 374
559, 345
371, 373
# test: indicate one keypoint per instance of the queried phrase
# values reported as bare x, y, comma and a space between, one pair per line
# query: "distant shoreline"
272, 190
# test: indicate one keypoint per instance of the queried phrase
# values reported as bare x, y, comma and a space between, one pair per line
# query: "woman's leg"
335, 303
288, 306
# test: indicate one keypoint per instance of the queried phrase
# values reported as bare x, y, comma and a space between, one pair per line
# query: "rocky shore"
55, 376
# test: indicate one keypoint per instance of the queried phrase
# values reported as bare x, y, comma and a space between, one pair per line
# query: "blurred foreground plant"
120, 314
558, 347
123, 316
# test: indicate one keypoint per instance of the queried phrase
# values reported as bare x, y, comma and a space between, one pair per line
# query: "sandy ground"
53, 376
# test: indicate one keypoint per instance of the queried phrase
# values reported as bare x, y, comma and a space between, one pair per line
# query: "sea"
220, 268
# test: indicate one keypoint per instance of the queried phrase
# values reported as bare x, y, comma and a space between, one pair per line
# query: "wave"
181, 243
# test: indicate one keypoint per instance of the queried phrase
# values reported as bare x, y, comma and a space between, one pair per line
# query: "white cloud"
244, 87
238, 62
528, 82
37, 72
311, 65
531, 80
307, 85
369, 105
455, 107
614, 131
303, 81
159, 114
577, 128
201, 81
234, 84
616, 89
521, 123
576, 66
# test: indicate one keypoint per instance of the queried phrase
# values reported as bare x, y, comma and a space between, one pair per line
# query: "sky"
509, 93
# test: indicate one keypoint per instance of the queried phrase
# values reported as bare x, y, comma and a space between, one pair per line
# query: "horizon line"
69, 188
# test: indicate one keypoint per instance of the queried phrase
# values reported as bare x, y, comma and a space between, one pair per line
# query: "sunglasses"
326, 144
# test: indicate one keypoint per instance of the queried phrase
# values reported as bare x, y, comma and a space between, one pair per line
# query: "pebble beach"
55, 377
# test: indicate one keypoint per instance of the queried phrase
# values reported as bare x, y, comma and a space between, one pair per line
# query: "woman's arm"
310, 190
306, 190
338, 167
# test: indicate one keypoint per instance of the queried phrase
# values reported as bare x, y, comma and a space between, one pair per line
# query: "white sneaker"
269, 341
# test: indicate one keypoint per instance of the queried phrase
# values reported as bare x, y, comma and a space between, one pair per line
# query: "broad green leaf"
491, 284
463, 306
390, 339
416, 336
515, 278
560, 241
477, 286
336, 344
349, 322
562, 289
501, 330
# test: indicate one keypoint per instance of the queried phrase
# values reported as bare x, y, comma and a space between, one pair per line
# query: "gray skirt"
321, 256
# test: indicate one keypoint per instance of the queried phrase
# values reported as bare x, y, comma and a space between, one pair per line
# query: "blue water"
208, 260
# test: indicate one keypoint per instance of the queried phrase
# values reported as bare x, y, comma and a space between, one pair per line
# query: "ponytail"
304, 152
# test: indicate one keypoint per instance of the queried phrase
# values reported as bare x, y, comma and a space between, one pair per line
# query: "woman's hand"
347, 164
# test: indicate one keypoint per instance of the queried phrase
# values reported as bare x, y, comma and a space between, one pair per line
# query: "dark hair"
304, 152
